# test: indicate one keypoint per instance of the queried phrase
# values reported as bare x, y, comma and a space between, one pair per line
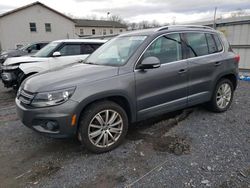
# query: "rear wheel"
222, 96
103, 126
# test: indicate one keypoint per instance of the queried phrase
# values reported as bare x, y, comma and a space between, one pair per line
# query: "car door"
69, 54
205, 62
162, 89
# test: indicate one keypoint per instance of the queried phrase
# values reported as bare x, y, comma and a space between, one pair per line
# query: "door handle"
217, 64
181, 71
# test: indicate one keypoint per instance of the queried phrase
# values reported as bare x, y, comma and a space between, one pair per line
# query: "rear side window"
197, 44
95, 46
42, 45
218, 43
166, 49
87, 49
70, 49
212, 48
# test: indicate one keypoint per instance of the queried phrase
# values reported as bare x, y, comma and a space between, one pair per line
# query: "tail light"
237, 58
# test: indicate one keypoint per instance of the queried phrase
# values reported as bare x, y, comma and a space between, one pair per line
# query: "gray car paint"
147, 92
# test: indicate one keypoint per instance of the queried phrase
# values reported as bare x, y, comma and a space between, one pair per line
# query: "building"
237, 31
37, 22
98, 27
32, 23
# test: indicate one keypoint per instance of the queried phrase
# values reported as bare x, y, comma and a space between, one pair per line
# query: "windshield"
24, 48
116, 52
45, 52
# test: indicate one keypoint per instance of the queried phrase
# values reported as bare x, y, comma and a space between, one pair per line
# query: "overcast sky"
163, 11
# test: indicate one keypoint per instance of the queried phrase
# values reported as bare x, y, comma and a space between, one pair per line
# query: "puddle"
175, 145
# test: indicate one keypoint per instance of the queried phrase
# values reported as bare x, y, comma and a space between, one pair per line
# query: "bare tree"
116, 18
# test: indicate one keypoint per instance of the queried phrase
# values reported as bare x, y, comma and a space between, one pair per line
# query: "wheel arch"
230, 76
120, 99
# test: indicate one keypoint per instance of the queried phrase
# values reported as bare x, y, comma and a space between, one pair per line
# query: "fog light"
51, 125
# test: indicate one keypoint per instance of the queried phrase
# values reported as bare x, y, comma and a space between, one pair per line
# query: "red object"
237, 58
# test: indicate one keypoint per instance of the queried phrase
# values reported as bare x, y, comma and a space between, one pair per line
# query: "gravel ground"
187, 148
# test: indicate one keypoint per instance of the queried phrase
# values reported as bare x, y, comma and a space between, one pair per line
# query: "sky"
163, 11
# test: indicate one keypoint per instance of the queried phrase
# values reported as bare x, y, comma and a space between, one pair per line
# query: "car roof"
169, 28
82, 40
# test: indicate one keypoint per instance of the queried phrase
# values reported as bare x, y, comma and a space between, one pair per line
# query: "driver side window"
166, 48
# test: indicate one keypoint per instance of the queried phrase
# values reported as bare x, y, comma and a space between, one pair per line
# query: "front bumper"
9, 79
38, 118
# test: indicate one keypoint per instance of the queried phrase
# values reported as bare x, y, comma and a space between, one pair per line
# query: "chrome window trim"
181, 32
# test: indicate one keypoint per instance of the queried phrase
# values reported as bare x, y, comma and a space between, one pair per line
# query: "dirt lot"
189, 148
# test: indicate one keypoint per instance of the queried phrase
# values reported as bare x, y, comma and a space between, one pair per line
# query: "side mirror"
56, 54
150, 63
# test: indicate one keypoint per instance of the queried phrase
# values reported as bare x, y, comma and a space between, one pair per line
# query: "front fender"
104, 95
37, 67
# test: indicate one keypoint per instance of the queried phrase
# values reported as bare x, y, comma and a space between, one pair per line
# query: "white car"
56, 54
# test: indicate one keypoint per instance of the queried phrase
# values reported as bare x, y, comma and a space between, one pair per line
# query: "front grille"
25, 97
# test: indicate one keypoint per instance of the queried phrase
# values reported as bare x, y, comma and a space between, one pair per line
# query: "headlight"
52, 98
4, 67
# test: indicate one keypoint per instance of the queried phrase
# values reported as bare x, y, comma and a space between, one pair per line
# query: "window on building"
47, 27
166, 49
111, 31
32, 27
197, 44
81, 32
93, 31
120, 30
104, 32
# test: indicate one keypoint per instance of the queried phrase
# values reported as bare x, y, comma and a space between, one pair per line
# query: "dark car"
25, 50
132, 77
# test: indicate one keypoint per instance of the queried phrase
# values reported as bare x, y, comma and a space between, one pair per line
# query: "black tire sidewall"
87, 116
214, 102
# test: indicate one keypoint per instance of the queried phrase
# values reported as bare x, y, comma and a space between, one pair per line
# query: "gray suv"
130, 78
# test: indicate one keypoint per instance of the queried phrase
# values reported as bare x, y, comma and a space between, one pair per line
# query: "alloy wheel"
105, 128
223, 96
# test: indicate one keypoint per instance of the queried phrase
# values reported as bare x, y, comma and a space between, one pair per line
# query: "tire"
222, 96
94, 131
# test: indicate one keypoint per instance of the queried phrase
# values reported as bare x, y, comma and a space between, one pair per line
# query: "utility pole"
214, 25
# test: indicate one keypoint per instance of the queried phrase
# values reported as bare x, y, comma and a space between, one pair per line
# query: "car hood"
23, 59
14, 53
74, 75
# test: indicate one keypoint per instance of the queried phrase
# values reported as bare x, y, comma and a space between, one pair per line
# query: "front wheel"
222, 96
103, 126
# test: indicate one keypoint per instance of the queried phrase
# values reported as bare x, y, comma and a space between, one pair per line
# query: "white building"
37, 22
33, 23
98, 27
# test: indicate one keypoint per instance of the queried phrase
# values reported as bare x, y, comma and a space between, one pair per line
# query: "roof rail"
183, 26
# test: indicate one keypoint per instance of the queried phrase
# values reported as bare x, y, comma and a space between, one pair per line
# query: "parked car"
56, 54
25, 50
132, 77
